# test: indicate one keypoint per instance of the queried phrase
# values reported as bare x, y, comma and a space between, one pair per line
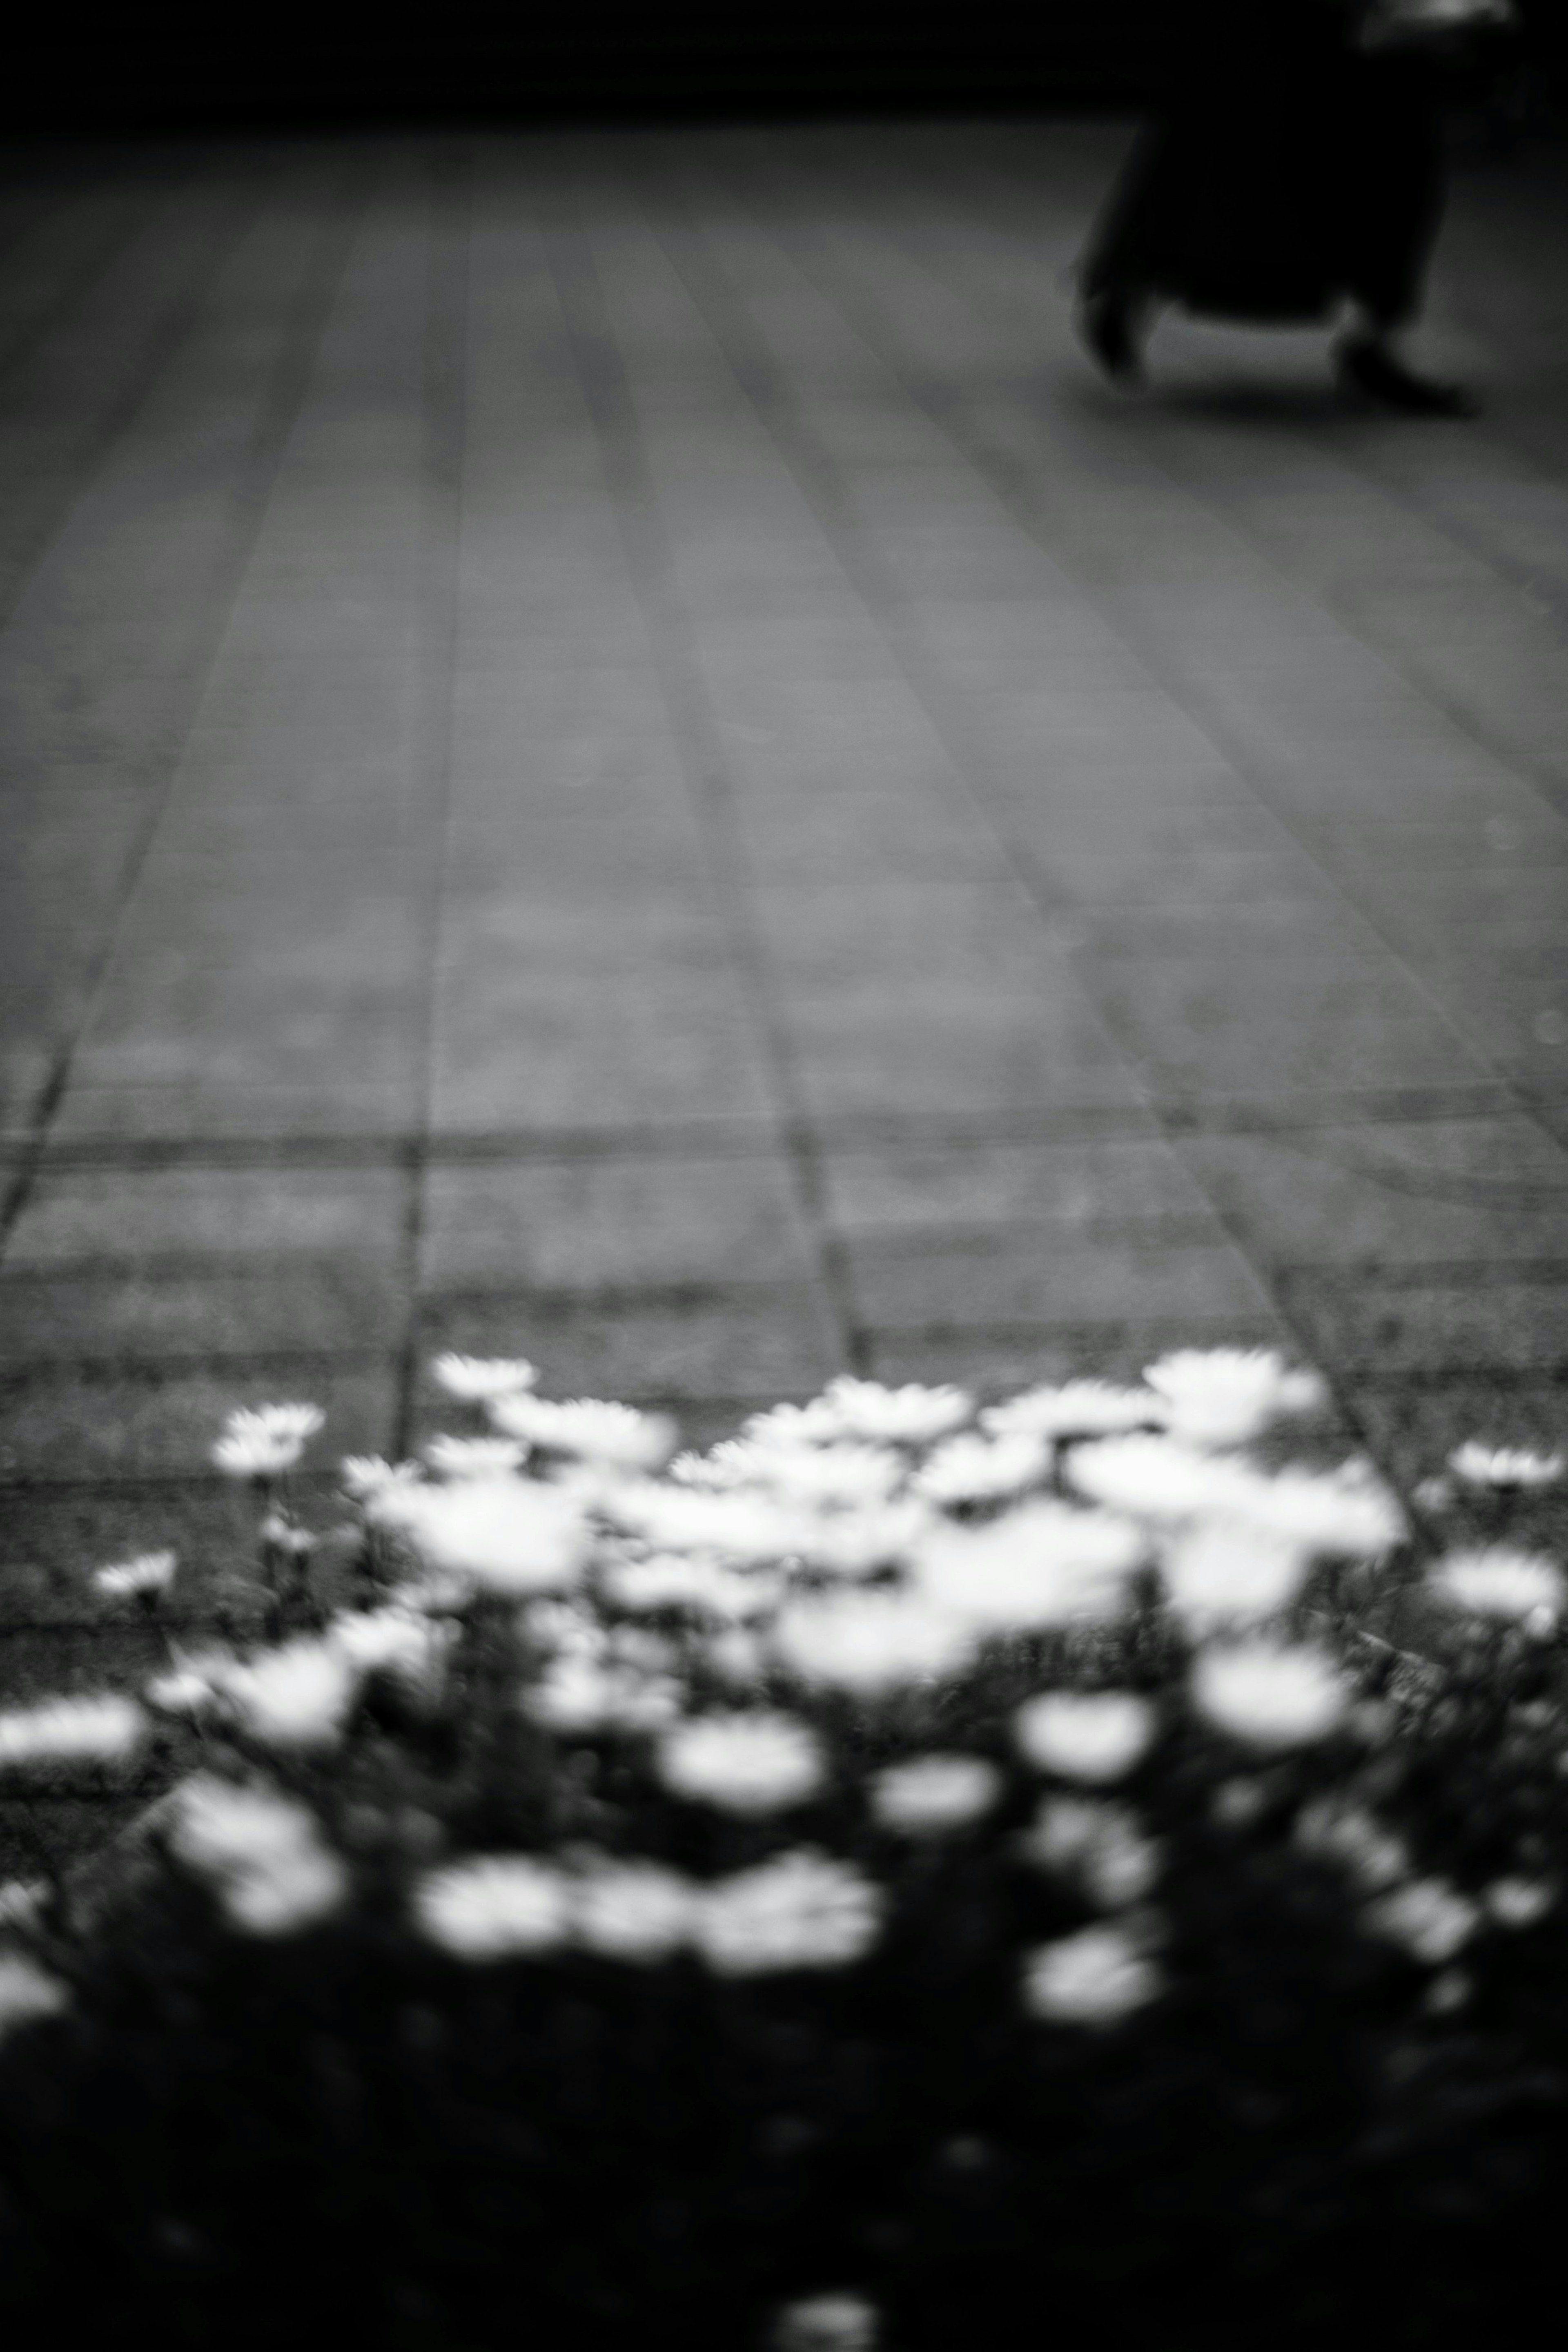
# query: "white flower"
971, 1469
72, 1730
745, 1527
477, 1380
1099, 1844
151, 1571
632, 1911
27, 1993
1428, 1917
856, 1543
1349, 1835
1075, 1409
1269, 1694
508, 1534
910, 1415
826, 2322
870, 1640
1225, 1396
824, 1477
737, 1655
21, 1900
1095, 1977
1498, 1582
368, 1477
1345, 1514
265, 1852
670, 1581
802, 1910
578, 1694
933, 1794
195, 1683
752, 1763
1095, 1735
261, 1443
495, 1907
1218, 1572
817, 1424
1504, 1465
614, 1433
1519, 1902
1046, 1563
294, 1696
1157, 1477
473, 1457
391, 1640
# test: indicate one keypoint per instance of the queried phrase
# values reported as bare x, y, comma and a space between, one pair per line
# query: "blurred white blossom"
1099, 1844
475, 1457
1346, 1834
508, 1534
817, 1424
1428, 1917
495, 1907
930, 1794
1046, 1563
1504, 1465
974, 1469
1095, 1735
1519, 1902
634, 1911
1344, 1514
265, 1852
297, 1696
479, 1379
753, 1763
105, 1730
1269, 1695
857, 1542
151, 1571
1227, 1396
826, 2322
21, 1900
870, 1640
911, 1415
27, 1992
1157, 1477
747, 1528
392, 1639
266, 1441
367, 1477
1497, 1581
1216, 1572
588, 1426
587, 1693
673, 1580
1095, 1977
801, 1910
1075, 1409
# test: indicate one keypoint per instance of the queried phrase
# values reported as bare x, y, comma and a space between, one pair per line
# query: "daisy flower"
1099, 1844
1498, 1582
578, 1694
1216, 1572
1430, 1919
930, 1794
1347, 1834
870, 1642
972, 1469
478, 1380
264, 1852
1085, 1735
612, 1434
297, 1696
1157, 1477
26, 1993
264, 1442
495, 1907
1046, 1563
1227, 1396
473, 1457
633, 1911
826, 2322
102, 1730
1096, 1977
744, 1527
507, 1535
671, 1581
1075, 1409
753, 1763
1269, 1695
801, 1910
911, 1415
1518, 1902
367, 1477
1504, 1465
150, 1573
856, 1543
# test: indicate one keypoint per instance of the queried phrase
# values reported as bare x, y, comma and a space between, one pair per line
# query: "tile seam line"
165, 340
279, 409
647, 555
444, 398
1003, 474
878, 605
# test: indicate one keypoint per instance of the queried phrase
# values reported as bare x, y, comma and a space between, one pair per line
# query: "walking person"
1295, 168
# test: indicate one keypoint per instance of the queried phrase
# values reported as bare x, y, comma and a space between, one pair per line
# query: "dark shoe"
1109, 324
1376, 374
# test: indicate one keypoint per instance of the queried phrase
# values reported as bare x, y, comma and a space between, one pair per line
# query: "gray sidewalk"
611, 749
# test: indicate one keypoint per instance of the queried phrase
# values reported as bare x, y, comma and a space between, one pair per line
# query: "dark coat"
1282, 169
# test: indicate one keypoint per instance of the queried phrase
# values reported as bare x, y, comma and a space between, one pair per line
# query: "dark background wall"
172, 63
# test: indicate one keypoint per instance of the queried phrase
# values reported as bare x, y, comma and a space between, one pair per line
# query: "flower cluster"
877, 1781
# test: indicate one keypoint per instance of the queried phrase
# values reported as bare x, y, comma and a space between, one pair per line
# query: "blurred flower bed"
910, 1873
